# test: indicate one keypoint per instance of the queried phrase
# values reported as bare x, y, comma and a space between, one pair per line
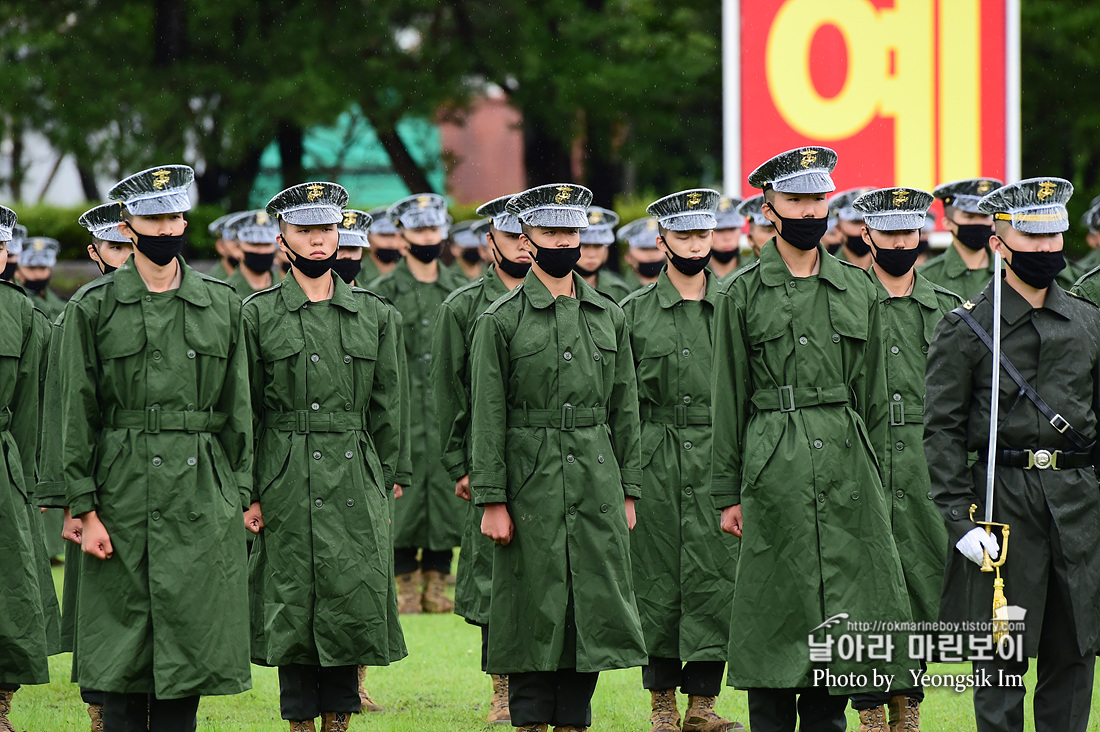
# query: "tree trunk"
169, 32
288, 135
87, 182
18, 172
402, 160
239, 181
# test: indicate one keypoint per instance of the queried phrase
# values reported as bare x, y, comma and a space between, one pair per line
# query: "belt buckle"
1041, 459
679, 415
1059, 423
301, 422
900, 419
789, 391
568, 420
152, 420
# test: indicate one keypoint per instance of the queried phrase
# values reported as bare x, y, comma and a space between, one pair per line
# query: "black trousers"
1063, 687
9, 687
307, 691
694, 678
484, 648
813, 708
873, 699
129, 712
91, 697
558, 698
405, 560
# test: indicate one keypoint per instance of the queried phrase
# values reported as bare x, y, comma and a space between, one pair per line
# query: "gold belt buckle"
1041, 459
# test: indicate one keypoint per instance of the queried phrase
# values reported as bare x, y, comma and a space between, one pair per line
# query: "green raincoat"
326, 398
950, 272
555, 436
157, 439
919, 532
238, 282
683, 563
427, 515
23, 641
49, 302
450, 374
800, 417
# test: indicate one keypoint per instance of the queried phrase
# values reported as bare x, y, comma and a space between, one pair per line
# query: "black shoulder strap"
1056, 420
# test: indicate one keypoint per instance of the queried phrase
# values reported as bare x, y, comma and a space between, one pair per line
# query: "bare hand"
254, 518
497, 524
72, 528
731, 520
94, 539
397, 491
631, 517
462, 487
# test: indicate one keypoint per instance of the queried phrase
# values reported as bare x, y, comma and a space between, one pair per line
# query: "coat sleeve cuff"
50, 494
403, 478
631, 476
388, 480
83, 503
631, 490
725, 492
485, 496
455, 464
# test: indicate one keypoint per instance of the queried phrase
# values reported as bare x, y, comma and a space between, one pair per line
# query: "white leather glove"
971, 545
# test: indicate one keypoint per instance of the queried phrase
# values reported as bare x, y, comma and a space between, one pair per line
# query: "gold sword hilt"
988, 565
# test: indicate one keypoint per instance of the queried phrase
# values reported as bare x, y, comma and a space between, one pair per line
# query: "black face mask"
37, 286
974, 236
585, 272
9, 271
832, 249
649, 270
160, 250
103, 266
387, 256
426, 252
723, 257
348, 269
311, 268
895, 262
259, 262
858, 247
922, 246
516, 270
1037, 269
233, 262
801, 233
284, 266
686, 265
471, 256
556, 261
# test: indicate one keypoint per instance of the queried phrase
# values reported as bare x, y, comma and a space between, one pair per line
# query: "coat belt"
790, 398
1040, 459
566, 418
305, 421
900, 414
680, 415
154, 420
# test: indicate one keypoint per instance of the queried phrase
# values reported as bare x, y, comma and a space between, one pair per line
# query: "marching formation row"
773, 471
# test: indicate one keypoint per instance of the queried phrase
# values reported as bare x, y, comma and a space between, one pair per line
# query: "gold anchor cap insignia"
262, 217
423, 201
316, 190
595, 217
693, 199
900, 197
350, 218
809, 157
160, 178
984, 186
724, 204
1046, 190
564, 194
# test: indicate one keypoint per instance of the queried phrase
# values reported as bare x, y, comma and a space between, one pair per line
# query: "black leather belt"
1041, 459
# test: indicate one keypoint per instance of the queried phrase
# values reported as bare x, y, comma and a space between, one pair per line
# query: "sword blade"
995, 389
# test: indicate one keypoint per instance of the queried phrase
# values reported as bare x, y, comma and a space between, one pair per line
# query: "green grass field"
440, 687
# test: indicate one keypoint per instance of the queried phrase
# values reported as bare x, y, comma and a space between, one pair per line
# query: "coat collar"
294, 297
668, 295
129, 287
540, 297
923, 292
954, 266
1014, 307
774, 272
